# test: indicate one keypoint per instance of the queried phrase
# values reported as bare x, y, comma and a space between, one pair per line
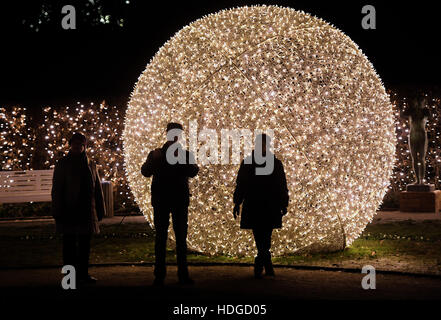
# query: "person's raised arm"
150, 166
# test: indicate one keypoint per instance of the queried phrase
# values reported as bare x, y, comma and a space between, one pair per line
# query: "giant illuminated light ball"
276, 68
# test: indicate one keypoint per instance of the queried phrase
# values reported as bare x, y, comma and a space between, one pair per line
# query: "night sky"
103, 60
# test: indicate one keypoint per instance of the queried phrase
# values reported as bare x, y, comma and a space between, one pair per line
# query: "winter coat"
77, 196
263, 196
170, 181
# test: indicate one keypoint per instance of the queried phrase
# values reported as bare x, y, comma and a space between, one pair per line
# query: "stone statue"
418, 113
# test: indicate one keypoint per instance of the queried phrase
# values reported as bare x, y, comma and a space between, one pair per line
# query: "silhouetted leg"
416, 167
161, 221
262, 236
180, 227
258, 260
83, 254
266, 253
70, 250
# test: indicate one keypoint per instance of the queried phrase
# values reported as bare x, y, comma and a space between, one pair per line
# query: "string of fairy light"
102, 125
17, 130
28, 145
260, 67
16, 137
268, 67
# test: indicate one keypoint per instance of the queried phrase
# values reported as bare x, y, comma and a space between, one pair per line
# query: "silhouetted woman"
264, 195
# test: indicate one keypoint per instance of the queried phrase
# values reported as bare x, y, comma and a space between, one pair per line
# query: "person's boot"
160, 273
269, 269
183, 275
258, 268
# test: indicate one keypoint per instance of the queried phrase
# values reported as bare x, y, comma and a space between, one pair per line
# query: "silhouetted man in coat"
171, 166
77, 205
264, 195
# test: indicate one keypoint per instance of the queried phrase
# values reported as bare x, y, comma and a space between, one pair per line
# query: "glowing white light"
277, 68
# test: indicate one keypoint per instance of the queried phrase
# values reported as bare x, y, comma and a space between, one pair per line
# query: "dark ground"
407, 260
119, 285
218, 282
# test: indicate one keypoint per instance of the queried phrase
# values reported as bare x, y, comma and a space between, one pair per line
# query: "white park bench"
25, 186
36, 186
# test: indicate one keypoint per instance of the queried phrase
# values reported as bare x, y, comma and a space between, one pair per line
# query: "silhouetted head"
261, 142
77, 143
175, 129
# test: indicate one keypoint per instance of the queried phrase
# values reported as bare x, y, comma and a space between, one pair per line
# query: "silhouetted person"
77, 205
170, 194
265, 200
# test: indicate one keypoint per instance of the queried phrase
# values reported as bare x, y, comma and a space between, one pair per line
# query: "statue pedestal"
420, 187
420, 201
